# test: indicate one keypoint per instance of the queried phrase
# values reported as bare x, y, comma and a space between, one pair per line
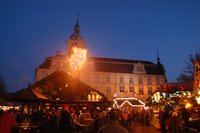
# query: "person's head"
104, 113
114, 114
175, 114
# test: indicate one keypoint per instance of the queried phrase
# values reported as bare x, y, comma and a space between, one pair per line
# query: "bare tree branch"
188, 71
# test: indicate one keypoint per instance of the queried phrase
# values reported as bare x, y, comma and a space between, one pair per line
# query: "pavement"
155, 123
137, 128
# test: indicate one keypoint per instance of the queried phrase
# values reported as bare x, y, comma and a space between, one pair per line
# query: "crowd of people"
92, 121
174, 120
69, 119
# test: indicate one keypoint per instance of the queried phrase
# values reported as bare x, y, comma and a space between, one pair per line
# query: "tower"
75, 40
160, 66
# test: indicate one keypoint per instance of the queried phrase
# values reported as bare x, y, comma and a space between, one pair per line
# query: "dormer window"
130, 80
139, 69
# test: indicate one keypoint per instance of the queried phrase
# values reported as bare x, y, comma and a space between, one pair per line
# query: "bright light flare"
77, 58
198, 99
188, 105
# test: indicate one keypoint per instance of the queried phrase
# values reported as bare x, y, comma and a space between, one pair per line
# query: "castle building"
115, 78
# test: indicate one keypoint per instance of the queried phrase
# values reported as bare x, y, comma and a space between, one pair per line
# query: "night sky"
31, 30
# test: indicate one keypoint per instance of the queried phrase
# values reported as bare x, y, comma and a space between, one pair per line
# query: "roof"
46, 63
63, 86
113, 67
178, 86
3, 102
38, 95
26, 95
114, 60
125, 66
116, 65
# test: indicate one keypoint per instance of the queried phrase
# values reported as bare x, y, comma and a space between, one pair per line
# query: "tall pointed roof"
76, 35
158, 58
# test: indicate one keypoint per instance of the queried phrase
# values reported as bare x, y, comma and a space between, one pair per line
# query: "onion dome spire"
158, 58
77, 27
76, 35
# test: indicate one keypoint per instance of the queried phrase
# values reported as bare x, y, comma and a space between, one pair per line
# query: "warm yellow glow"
77, 58
157, 97
198, 99
89, 97
188, 105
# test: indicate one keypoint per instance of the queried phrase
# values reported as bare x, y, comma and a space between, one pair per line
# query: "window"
140, 80
141, 91
149, 91
108, 91
157, 80
121, 80
121, 88
97, 79
149, 80
131, 80
139, 69
107, 79
98, 88
131, 89
87, 77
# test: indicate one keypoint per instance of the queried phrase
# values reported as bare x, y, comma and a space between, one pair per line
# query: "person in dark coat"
175, 125
185, 116
162, 121
45, 126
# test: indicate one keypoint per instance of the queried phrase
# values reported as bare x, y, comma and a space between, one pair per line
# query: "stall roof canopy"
3, 102
58, 86
27, 94
178, 86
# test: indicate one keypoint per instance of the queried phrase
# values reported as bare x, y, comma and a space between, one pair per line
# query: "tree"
188, 71
2, 87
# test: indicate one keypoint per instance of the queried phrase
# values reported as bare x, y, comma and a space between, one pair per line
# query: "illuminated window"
121, 88
149, 91
108, 91
87, 77
141, 91
157, 80
107, 79
131, 80
140, 80
98, 88
97, 79
131, 89
121, 80
149, 80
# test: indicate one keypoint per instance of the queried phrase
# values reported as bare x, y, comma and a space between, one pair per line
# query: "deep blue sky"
31, 30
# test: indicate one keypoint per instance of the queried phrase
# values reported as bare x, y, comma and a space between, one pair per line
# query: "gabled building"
113, 77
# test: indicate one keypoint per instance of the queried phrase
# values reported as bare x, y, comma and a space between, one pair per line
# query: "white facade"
140, 80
